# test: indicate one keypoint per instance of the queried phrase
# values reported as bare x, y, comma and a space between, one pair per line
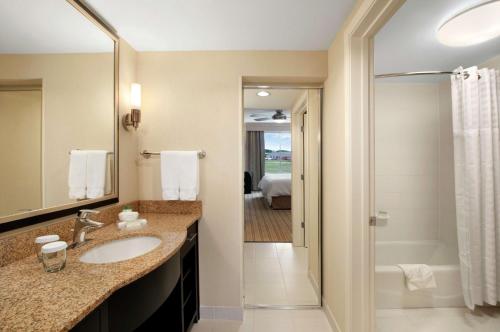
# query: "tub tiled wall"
407, 160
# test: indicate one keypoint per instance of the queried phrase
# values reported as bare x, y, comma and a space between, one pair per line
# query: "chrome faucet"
82, 225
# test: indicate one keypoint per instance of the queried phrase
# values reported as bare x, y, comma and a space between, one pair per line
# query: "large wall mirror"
58, 105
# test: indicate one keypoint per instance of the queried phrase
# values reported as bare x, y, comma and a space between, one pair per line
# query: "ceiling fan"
278, 115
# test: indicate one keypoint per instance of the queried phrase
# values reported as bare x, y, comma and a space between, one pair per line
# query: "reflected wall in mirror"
57, 95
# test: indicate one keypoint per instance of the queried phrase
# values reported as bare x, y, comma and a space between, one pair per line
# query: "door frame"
271, 85
298, 160
305, 174
359, 33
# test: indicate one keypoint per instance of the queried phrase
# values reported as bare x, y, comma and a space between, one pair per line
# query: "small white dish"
131, 225
128, 215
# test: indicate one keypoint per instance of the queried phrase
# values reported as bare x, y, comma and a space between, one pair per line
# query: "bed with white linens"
277, 189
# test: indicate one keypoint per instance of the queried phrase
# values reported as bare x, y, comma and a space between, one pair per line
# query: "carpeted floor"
263, 224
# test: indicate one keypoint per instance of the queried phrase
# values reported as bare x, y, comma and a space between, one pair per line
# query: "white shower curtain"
476, 141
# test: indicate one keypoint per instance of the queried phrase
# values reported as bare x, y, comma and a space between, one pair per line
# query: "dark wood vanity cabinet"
166, 299
190, 279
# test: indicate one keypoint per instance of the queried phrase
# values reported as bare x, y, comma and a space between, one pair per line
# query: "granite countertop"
34, 300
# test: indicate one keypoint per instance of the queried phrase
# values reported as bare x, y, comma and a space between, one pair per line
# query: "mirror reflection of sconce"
134, 117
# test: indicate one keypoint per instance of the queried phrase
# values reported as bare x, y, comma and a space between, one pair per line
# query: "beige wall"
129, 152
334, 153
77, 95
191, 101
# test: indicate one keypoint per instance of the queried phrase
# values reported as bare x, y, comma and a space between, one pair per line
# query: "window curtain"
476, 143
255, 156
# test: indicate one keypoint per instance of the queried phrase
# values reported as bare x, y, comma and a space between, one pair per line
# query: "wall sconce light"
134, 117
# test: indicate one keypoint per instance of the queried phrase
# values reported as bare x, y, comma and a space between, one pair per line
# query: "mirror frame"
30, 218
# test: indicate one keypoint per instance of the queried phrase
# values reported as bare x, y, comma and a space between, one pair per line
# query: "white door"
20, 143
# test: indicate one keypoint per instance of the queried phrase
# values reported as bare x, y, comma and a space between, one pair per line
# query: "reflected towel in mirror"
96, 173
77, 174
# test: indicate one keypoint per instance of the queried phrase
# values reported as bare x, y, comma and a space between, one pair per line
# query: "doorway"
21, 110
282, 258
417, 166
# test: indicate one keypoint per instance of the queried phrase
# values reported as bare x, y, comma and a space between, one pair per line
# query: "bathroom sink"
120, 250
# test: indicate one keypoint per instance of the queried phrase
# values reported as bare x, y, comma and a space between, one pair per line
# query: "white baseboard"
331, 318
222, 313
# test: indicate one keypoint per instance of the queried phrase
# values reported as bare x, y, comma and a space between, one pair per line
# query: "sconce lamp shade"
135, 96
133, 118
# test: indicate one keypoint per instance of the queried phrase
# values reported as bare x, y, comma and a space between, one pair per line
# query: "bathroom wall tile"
387, 163
409, 225
447, 215
407, 160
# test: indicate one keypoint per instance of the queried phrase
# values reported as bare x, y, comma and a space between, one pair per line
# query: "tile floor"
276, 274
438, 320
266, 320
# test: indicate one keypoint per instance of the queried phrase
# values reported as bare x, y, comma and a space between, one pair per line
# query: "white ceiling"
408, 41
48, 26
280, 99
174, 25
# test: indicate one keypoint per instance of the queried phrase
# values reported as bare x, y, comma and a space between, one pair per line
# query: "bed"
277, 189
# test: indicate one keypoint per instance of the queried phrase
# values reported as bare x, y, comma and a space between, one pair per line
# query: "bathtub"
390, 289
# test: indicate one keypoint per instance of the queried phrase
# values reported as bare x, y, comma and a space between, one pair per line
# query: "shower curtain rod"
421, 73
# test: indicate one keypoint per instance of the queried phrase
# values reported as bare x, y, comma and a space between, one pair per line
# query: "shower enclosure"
414, 191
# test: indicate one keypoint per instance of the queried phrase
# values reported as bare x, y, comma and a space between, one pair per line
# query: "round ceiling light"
473, 26
263, 93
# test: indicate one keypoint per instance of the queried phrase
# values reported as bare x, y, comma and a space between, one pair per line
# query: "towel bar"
146, 154
69, 152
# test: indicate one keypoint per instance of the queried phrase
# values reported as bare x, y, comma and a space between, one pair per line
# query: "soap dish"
132, 225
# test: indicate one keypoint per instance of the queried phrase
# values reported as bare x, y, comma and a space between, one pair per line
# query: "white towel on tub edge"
418, 276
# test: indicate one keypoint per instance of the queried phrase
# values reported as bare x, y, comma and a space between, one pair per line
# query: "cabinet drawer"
191, 238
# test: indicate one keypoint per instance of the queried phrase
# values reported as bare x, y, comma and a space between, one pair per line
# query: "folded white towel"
96, 173
170, 169
189, 176
418, 276
132, 225
77, 174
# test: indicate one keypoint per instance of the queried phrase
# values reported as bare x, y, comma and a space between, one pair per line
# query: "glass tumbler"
43, 240
54, 256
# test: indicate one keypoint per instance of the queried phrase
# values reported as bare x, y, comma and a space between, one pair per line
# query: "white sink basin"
120, 250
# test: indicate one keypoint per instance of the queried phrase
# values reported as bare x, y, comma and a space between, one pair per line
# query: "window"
278, 152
